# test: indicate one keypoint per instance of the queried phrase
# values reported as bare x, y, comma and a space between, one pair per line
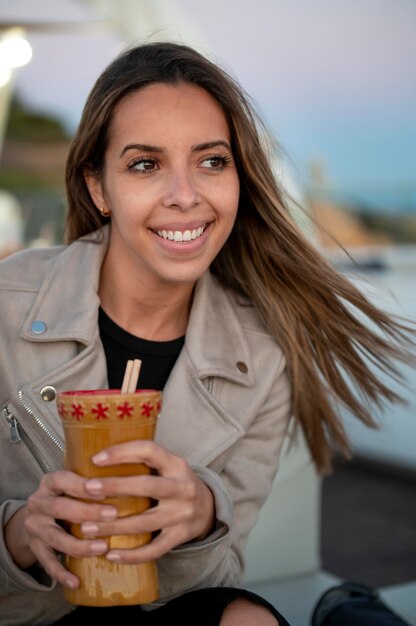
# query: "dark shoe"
353, 604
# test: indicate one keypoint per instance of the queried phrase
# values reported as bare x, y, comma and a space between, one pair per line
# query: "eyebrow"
211, 144
144, 147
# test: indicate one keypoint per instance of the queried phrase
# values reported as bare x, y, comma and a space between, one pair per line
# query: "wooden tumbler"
93, 420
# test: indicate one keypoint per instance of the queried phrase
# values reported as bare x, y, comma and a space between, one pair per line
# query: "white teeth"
179, 236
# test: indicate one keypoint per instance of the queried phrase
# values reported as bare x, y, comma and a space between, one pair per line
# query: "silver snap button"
48, 393
242, 367
38, 327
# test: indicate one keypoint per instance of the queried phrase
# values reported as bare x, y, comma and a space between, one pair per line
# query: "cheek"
230, 210
227, 195
128, 205
234, 198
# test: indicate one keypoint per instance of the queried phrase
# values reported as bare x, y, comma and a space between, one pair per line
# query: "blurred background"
335, 83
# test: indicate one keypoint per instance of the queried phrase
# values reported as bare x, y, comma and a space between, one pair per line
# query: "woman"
181, 252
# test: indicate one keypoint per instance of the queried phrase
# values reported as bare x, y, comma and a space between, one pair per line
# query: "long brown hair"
304, 302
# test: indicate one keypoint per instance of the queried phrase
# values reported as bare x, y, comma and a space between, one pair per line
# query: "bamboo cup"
93, 420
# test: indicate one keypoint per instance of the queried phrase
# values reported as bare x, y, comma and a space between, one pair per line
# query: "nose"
181, 191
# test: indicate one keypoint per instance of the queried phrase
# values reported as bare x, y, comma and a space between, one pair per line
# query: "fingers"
69, 510
46, 531
48, 539
147, 486
178, 479
140, 451
164, 514
52, 563
63, 482
182, 509
51, 499
53, 566
165, 541
58, 498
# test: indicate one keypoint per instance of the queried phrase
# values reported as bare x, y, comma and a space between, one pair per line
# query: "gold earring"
104, 212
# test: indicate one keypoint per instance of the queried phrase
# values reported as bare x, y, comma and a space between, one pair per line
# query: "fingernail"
113, 556
99, 547
95, 486
88, 528
70, 583
101, 457
109, 513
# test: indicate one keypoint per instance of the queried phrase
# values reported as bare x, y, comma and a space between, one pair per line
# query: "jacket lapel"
215, 341
54, 304
214, 344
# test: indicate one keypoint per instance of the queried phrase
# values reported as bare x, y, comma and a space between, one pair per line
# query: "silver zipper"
34, 449
210, 384
17, 434
13, 425
39, 422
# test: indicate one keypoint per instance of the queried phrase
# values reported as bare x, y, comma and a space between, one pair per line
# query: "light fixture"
15, 51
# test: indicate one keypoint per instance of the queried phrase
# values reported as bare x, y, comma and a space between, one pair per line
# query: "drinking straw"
127, 375
134, 375
131, 376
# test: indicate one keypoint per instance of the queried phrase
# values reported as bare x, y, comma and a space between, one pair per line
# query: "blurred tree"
34, 150
32, 168
27, 125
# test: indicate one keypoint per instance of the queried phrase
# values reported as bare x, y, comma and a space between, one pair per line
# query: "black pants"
203, 607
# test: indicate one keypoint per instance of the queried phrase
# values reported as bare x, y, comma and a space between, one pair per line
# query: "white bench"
284, 552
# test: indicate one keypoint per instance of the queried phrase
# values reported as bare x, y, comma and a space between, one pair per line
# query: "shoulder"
26, 269
244, 309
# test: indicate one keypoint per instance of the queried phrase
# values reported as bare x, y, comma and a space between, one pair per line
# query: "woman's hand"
184, 508
36, 533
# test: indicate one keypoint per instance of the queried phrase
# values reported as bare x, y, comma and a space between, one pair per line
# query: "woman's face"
170, 182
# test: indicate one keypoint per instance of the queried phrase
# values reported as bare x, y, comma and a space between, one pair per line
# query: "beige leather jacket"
225, 410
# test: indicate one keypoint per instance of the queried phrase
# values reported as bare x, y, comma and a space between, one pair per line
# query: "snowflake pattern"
124, 410
146, 409
77, 411
62, 409
103, 411
100, 411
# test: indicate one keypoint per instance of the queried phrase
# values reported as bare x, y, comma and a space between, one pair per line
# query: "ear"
95, 188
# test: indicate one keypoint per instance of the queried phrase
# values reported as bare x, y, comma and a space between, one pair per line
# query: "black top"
157, 357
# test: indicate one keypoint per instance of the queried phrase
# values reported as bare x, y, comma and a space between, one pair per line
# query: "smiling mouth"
179, 236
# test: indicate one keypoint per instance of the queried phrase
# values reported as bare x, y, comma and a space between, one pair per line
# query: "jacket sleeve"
12, 578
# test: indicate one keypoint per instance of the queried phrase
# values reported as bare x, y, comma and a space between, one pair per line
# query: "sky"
334, 80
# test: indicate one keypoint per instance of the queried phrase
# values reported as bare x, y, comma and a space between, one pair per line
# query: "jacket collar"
215, 340
71, 277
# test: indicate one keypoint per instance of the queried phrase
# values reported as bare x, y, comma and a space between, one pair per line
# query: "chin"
183, 277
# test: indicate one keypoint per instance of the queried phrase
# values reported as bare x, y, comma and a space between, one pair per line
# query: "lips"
181, 236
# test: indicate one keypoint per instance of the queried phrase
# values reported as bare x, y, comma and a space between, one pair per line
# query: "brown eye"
214, 162
143, 165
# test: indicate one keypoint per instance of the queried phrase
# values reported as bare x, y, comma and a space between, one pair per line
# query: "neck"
156, 311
